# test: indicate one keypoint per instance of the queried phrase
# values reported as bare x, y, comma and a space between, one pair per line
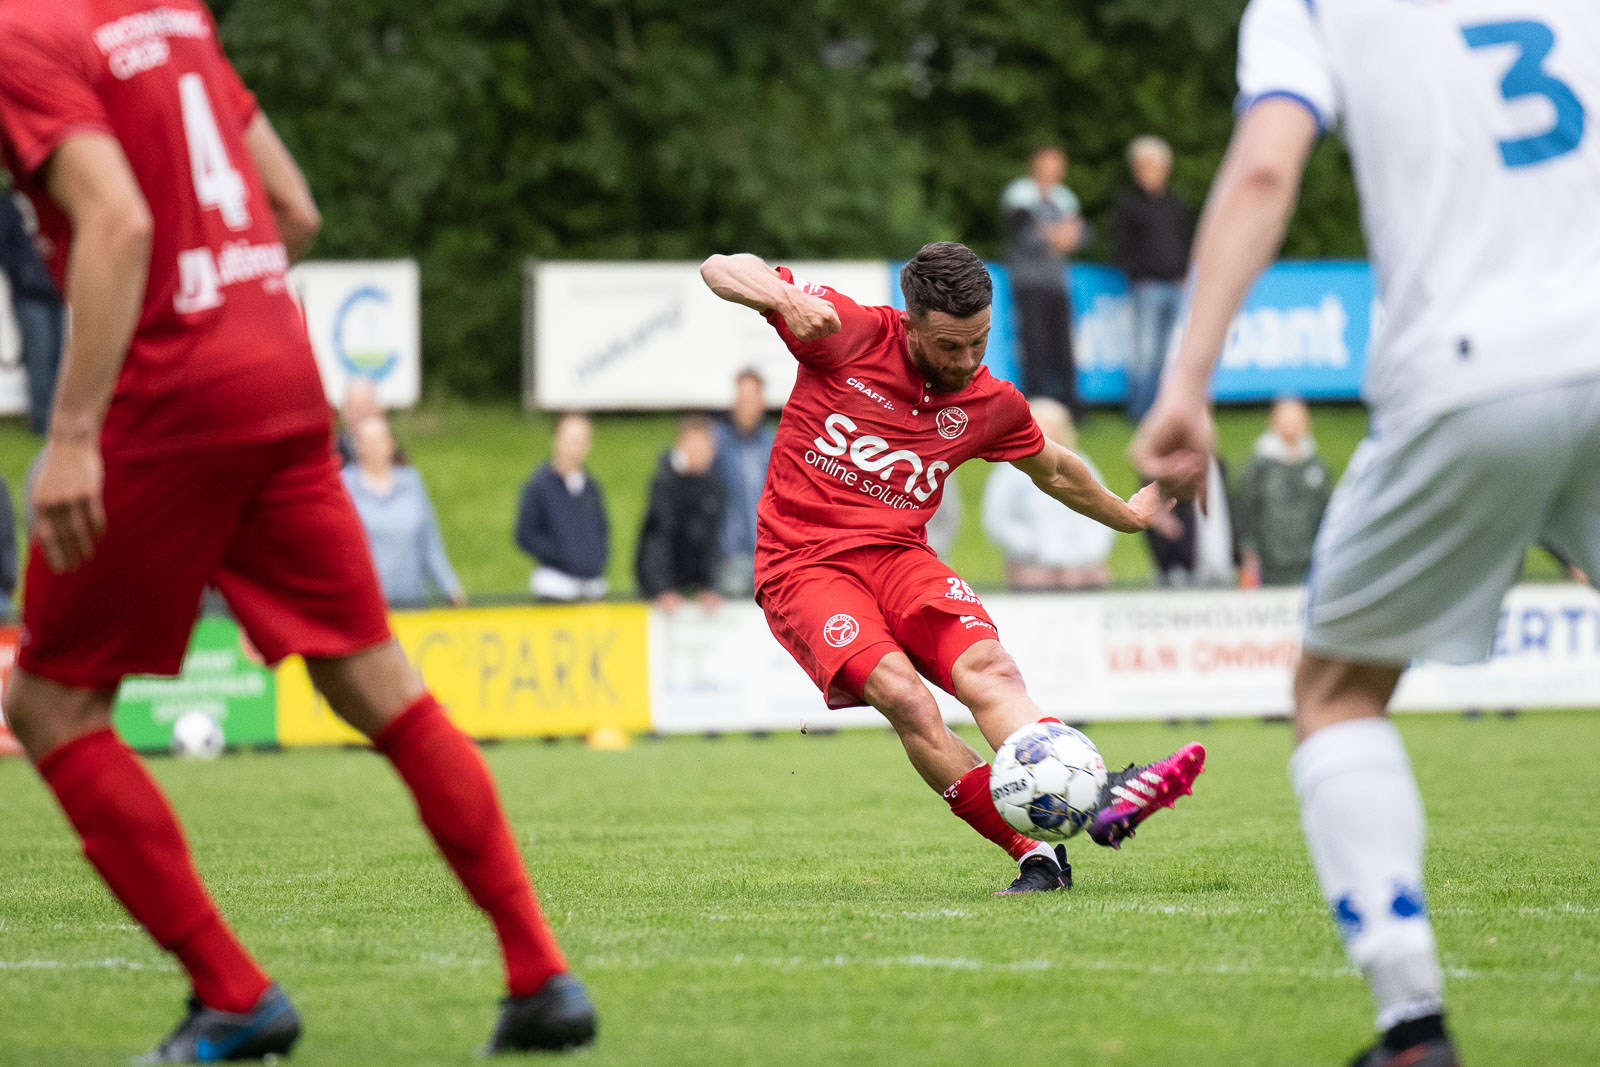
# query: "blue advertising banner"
1303, 331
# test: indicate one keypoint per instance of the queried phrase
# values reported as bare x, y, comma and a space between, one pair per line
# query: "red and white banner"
1154, 655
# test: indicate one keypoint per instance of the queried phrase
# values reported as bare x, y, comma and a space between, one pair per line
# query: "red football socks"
132, 838
969, 799
457, 802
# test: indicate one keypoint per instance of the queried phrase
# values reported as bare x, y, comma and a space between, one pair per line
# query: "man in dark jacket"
680, 548
561, 521
1150, 236
41, 317
1043, 227
1281, 499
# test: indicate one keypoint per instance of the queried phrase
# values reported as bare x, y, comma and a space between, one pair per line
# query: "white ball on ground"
197, 735
1046, 781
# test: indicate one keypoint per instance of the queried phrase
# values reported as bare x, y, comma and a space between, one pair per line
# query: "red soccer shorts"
269, 524
840, 616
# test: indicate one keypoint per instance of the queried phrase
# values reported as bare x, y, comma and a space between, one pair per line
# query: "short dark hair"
948, 277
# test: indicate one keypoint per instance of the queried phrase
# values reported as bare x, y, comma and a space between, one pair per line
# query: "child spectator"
1046, 546
680, 548
561, 520
1281, 499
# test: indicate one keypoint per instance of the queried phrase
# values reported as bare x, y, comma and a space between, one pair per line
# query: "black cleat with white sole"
1039, 874
558, 1017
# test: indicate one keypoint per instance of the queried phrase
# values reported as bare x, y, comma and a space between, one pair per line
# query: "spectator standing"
360, 404
744, 443
41, 315
398, 517
562, 521
1281, 499
1150, 236
1043, 227
1046, 546
1195, 549
680, 547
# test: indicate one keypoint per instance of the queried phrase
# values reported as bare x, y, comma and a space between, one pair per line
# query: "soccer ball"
1046, 780
197, 735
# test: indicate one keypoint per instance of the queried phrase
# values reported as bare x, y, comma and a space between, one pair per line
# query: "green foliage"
474, 133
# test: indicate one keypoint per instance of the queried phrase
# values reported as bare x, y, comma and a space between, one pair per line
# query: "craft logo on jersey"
870, 393
952, 423
871, 454
840, 630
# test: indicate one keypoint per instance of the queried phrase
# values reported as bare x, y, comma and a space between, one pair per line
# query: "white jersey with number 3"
1472, 125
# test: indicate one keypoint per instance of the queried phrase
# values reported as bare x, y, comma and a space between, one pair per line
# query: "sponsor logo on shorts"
952, 423
971, 621
840, 630
961, 591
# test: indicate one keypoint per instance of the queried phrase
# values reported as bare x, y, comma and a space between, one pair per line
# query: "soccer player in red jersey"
886, 406
189, 447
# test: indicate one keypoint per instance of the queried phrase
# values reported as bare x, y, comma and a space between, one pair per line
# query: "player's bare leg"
988, 682
954, 769
377, 691
1364, 825
132, 837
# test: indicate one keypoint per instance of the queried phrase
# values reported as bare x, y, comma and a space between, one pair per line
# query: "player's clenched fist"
810, 318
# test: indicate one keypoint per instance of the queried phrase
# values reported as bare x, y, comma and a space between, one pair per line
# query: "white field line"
964, 963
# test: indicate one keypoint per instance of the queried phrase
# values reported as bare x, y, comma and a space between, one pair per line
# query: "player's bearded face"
947, 350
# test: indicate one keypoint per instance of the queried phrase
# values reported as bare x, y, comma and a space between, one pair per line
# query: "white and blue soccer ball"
1047, 780
197, 736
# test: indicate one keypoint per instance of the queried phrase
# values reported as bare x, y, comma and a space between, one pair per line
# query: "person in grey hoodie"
1281, 499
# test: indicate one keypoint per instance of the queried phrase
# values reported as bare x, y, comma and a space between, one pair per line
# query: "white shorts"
1428, 528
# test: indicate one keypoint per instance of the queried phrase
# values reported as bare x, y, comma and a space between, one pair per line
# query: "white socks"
1363, 821
1041, 850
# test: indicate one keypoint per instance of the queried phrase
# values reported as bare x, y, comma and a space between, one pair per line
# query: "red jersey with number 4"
866, 447
220, 354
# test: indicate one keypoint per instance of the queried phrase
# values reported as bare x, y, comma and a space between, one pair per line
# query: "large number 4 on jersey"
216, 183
1528, 77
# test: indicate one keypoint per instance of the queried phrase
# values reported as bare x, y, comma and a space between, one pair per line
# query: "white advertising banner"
13, 382
365, 320
1098, 657
617, 336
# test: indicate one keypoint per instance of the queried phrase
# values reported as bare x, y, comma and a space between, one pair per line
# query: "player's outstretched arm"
1058, 471
90, 179
746, 279
293, 207
1240, 231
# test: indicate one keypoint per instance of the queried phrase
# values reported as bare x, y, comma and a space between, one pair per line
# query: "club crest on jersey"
952, 423
871, 454
840, 630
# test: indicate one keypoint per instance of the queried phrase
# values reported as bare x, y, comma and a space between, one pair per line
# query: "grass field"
803, 900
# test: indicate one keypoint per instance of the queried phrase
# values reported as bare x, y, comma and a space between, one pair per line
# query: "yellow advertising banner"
534, 671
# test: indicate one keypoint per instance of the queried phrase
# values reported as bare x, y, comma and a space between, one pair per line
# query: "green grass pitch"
804, 900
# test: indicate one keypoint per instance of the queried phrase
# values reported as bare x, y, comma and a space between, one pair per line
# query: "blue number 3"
1527, 77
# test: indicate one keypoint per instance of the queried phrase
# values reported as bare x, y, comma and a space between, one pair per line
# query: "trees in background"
474, 133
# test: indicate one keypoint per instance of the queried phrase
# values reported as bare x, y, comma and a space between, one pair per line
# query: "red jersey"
865, 446
220, 354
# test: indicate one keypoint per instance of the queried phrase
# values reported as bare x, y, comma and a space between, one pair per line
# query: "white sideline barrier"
1109, 656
